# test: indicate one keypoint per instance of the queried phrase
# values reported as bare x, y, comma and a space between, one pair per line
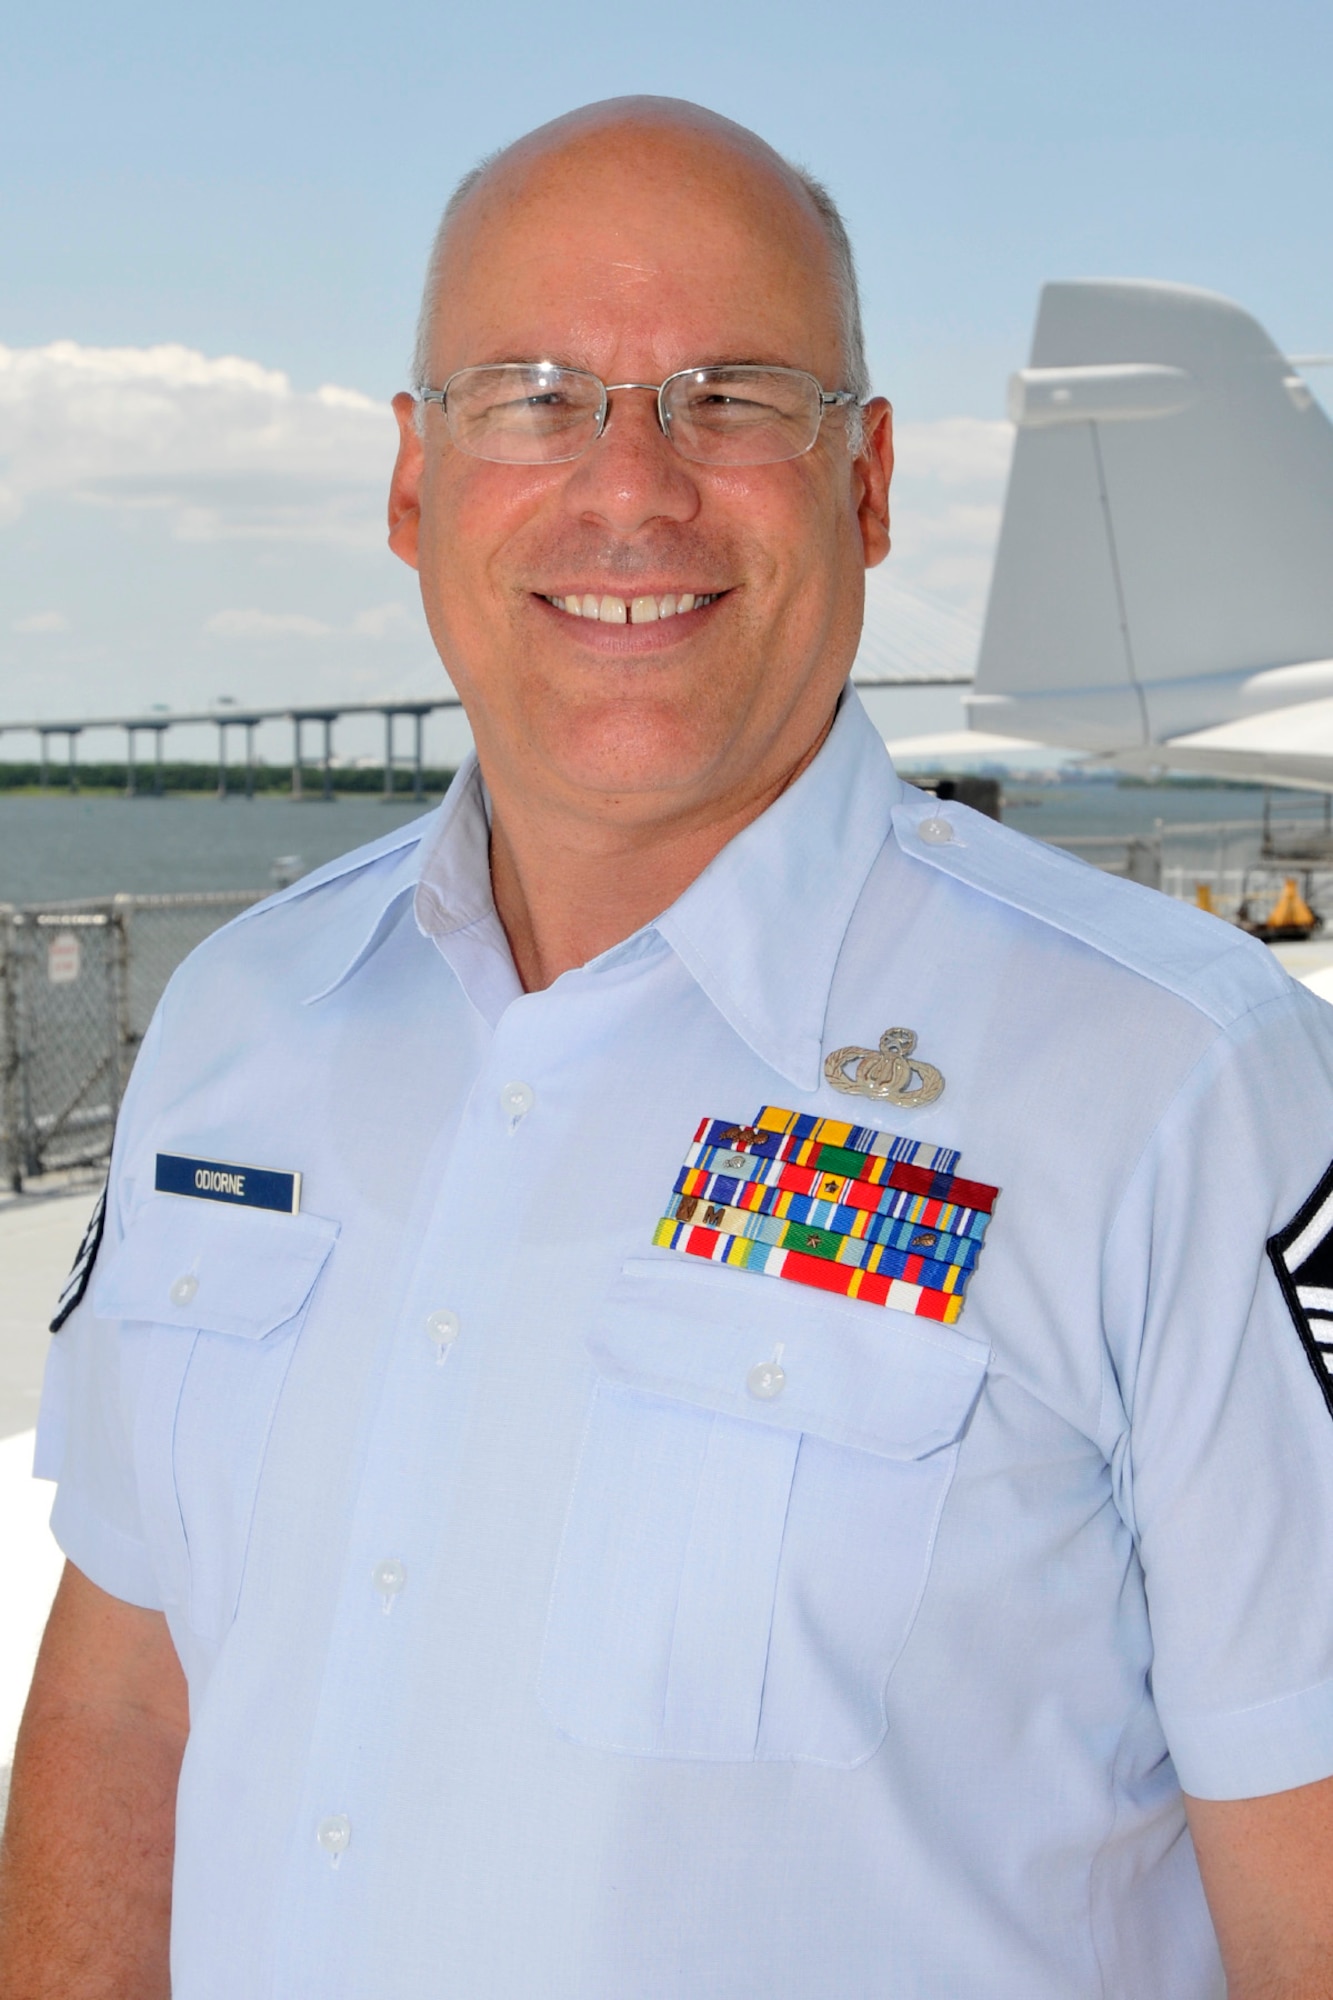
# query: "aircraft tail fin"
1167, 539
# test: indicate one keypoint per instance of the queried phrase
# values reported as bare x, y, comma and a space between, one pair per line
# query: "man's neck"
568, 887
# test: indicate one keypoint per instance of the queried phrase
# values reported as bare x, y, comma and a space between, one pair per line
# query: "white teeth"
638, 611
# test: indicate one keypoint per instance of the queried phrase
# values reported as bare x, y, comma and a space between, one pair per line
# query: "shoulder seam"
1090, 929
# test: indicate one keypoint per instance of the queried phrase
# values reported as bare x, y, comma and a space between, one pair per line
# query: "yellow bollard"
1291, 911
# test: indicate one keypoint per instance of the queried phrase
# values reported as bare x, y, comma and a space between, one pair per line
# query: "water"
1080, 811
62, 846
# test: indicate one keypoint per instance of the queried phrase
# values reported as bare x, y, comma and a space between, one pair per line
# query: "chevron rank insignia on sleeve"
1302, 1255
76, 1284
841, 1207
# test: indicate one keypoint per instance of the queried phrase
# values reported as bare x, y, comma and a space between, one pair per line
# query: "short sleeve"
85, 1426
1229, 1483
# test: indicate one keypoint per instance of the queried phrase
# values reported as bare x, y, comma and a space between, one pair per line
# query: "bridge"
232, 716
224, 720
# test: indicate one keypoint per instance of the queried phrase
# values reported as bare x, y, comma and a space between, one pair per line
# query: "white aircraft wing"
1284, 746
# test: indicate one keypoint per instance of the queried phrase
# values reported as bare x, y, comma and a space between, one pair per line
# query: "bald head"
659, 150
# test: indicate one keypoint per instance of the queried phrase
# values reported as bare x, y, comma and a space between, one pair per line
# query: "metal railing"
1241, 861
78, 985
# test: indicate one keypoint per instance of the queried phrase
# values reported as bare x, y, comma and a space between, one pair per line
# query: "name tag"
222, 1180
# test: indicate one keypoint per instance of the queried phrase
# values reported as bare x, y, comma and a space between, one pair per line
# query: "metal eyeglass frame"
829, 399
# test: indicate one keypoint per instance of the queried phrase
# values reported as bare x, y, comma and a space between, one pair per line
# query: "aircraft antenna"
1116, 578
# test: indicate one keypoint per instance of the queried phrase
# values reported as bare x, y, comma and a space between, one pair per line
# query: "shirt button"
184, 1289
766, 1380
442, 1326
937, 832
334, 1835
389, 1577
516, 1100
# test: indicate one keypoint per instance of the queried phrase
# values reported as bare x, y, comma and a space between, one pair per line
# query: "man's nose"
632, 474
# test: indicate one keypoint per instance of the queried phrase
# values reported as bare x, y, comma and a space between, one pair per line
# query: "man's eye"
717, 405
509, 406
544, 408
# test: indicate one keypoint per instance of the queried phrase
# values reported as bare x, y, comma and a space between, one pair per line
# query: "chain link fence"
78, 985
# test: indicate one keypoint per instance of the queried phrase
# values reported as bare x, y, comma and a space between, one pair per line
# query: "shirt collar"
759, 930
454, 903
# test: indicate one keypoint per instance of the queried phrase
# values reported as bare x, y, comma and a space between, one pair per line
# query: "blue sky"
262, 182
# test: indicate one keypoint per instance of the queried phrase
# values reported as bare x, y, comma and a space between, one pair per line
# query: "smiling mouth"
633, 610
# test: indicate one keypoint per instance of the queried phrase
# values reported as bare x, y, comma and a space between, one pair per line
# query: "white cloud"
41, 621
956, 451
266, 625
947, 502
229, 447
386, 621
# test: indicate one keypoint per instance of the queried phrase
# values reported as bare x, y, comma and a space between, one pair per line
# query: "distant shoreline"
185, 780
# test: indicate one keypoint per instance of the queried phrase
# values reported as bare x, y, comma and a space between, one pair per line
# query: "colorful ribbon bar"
840, 1207
782, 1234
717, 1151
858, 1138
873, 1287
749, 1182
899, 1232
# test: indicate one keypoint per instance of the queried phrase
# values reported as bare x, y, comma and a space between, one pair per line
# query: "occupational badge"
1302, 1255
841, 1207
886, 1073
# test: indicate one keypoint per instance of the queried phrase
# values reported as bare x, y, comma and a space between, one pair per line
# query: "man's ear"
874, 465
405, 486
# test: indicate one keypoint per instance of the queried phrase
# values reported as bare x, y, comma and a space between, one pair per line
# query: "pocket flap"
212, 1266
855, 1374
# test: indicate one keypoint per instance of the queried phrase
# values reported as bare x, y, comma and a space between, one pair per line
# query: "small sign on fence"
78, 985
64, 959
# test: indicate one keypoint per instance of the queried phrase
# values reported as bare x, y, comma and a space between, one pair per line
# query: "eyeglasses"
536, 413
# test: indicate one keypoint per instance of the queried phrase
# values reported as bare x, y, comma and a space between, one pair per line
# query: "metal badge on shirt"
886, 1073
1302, 1255
224, 1180
837, 1206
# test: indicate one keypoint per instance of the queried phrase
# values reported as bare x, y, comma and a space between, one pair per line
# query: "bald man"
704, 1375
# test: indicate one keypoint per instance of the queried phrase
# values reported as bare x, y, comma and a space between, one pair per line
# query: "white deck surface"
38, 1237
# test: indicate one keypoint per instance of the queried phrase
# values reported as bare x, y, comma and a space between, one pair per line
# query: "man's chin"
639, 753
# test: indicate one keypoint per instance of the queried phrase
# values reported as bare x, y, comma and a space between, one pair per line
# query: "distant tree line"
268, 778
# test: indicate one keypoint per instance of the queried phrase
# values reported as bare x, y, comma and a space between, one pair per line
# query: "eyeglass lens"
525, 413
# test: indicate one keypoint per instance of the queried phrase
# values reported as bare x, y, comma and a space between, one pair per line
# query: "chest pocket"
739, 1572
218, 1294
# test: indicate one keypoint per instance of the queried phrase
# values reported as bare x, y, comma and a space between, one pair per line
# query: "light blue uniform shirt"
530, 1654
